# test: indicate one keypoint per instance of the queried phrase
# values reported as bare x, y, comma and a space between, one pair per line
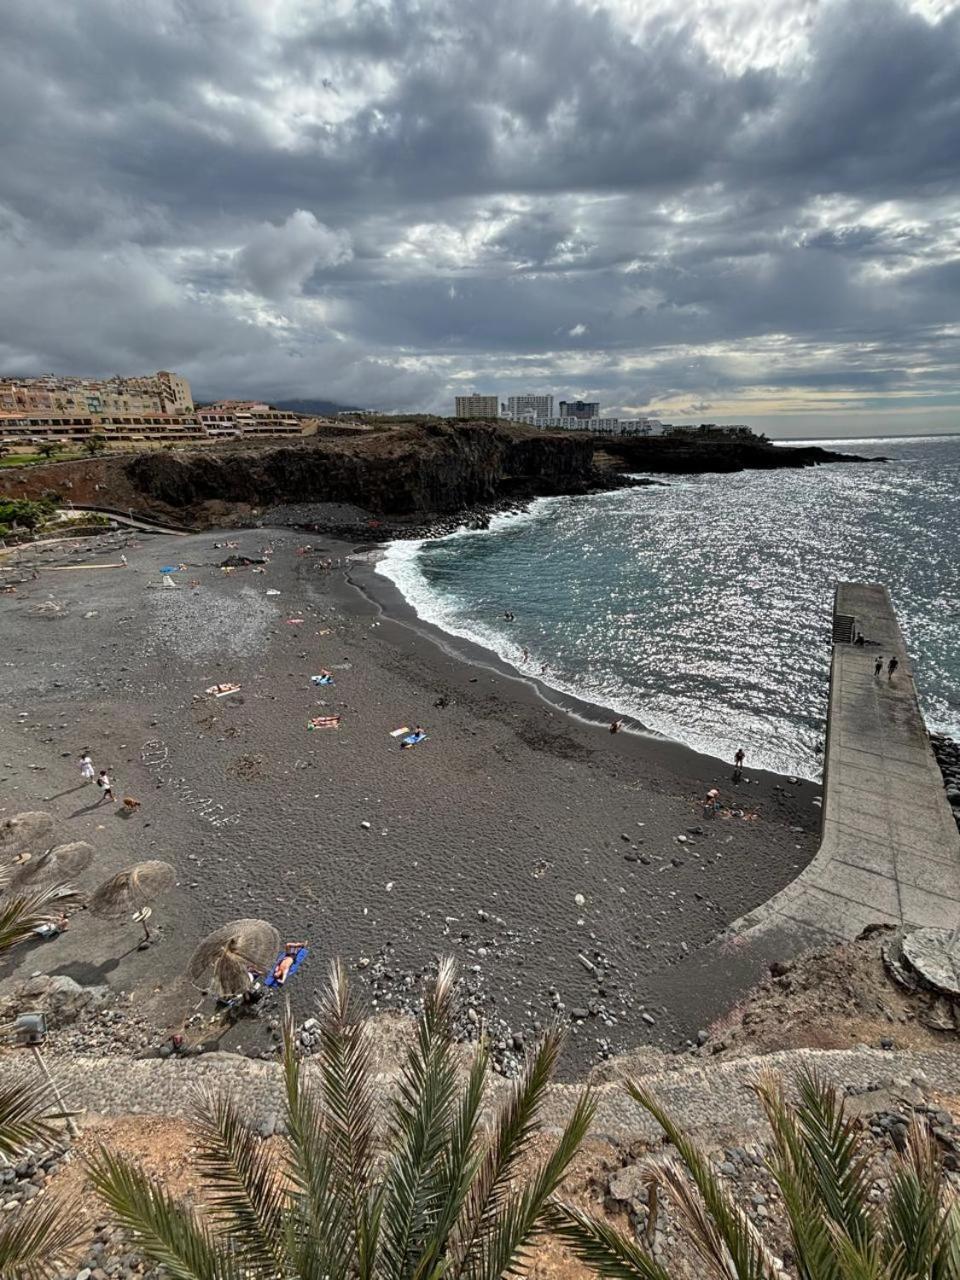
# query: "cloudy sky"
735, 210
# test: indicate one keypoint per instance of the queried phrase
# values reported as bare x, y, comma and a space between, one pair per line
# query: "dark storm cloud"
368, 200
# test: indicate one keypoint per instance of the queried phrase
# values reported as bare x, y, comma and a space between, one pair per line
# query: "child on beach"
86, 767
106, 788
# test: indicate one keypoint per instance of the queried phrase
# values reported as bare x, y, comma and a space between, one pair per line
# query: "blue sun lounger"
270, 980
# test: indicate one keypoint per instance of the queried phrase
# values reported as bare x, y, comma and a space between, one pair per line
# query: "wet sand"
479, 840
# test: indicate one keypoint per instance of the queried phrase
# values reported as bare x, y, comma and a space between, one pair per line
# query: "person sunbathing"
286, 961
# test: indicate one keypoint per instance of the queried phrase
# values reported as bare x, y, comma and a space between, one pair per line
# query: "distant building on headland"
477, 406
158, 409
517, 406
579, 409
48, 394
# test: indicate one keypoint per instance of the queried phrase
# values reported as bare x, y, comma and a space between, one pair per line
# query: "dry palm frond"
23, 912
225, 959
133, 889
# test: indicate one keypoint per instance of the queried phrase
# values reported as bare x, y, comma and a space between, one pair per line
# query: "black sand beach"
479, 842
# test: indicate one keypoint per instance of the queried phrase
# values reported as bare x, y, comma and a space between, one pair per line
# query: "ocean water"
701, 610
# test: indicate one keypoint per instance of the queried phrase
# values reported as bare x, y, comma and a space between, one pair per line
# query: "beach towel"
412, 739
270, 980
169, 568
294, 622
398, 733
221, 690
321, 679
324, 722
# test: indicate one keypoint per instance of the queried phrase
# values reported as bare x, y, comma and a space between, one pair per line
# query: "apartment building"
50, 395
477, 406
519, 407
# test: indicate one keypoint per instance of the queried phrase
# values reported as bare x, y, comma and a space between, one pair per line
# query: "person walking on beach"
738, 764
86, 767
878, 666
891, 668
106, 788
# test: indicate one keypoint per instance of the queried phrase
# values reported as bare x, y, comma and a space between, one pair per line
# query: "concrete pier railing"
890, 851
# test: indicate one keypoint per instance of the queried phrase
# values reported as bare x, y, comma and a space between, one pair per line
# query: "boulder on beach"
56, 995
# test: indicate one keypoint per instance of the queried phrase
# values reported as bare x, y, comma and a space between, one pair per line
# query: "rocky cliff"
415, 472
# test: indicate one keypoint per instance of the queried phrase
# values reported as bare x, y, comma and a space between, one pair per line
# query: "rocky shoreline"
947, 755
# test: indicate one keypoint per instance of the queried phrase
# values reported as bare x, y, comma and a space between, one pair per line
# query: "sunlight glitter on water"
703, 608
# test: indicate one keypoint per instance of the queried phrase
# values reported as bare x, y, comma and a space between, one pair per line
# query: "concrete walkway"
712, 1100
890, 851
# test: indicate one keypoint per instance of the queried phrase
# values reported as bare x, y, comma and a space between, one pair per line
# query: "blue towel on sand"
412, 739
270, 980
321, 680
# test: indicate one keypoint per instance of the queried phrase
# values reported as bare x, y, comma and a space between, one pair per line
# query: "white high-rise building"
538, 406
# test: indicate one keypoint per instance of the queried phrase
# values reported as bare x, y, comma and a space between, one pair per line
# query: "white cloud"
277, 261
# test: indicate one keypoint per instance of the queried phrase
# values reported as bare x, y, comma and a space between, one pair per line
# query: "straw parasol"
25, 832
132, 891
223, 960
64, 862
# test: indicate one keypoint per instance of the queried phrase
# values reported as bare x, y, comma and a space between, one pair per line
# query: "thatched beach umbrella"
132, 891
25, 832
224, 959
64, 862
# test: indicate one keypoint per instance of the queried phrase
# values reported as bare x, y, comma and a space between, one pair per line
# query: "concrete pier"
890, 851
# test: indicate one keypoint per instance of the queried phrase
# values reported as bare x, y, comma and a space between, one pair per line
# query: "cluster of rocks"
947, 755
109, 1255
23, 1181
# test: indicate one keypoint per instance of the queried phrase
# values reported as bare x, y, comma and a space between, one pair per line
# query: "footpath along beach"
570, 871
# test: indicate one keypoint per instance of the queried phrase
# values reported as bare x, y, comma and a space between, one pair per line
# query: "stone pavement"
890, 851
714, 1101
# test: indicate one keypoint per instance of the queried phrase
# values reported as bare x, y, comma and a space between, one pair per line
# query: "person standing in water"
738, 764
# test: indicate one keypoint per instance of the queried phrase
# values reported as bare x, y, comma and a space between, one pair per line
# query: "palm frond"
459, 1164
165, 1230
515, 1125
727, 1231
321, 1242
917, 1225
246, 1200
863, 1259
37, 1245
502, 1250
813, 1242
350, 1113
601, 1247
946, 1265
22, 912
27, 1114
417, 1135
835, 1157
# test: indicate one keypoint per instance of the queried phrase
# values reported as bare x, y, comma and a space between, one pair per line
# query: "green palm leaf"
21, 913
601, 1247
503, 1249
420, 1123
725, 1237
37, 1245
246, 1201
350, 1113
165, 1230
27, 1114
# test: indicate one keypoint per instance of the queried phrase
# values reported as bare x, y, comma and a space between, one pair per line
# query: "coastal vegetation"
441, 1181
